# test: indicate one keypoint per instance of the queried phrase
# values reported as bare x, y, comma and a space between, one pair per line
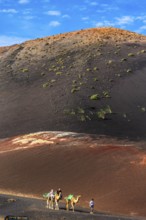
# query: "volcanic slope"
90, 81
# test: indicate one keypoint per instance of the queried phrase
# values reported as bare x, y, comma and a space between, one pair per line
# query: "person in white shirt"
51, 194
91, 205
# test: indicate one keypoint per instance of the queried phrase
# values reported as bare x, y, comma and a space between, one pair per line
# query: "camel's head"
79, 196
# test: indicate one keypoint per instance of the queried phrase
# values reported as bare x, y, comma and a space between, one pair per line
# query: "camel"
57, 198
49, 200
71, 201
52, 200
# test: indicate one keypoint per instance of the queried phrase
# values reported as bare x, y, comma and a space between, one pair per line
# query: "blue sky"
22, 20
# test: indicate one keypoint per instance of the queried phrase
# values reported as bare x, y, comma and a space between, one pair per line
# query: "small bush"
123, 59
143, 109
110, 62
80, 76
95, 68
124, 115
106, 94
24, 70
58, 73
130, 55
103, 112
53, 80
45, 85
82, 118
95, 79
75, 89
118, 74
129, 70
80, 110
143, 51
95, 97
74, 81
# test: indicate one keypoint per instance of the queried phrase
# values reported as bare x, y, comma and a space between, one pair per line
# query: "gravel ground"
34, 209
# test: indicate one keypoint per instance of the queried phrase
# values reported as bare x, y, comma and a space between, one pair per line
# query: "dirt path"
35, 209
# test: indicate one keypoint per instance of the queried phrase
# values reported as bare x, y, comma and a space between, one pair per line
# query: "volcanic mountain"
90, 81
73, 115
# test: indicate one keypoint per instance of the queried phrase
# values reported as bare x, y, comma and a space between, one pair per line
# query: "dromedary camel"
49, 197
71, 201
52, 200
57, 198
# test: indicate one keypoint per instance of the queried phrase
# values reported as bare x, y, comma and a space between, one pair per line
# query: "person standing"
59, 192
51, 194
91, 204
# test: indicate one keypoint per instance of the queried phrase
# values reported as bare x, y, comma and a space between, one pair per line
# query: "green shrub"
72, 112
53, 80
108, 110
130, 55
95, 79
143, 109
80, 110
129, 70
124, 115
143, 51
103, 112
74, 81
75, 89
87, 117
82, 118
123, 59
118, 74
110, 62
106, 94
66, 111
45, 85
58, 73
95, 97
24, 70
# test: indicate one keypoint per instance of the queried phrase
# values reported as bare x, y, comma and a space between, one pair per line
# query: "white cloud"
54, 23
121, 21
29, 17
125, 20
54, 13
85, 18
99, 24
104, 24
93, 3
66, 16
82, 8
141, 18
105, 8
10, 40
27, 11
105, 5
11, 11
23, 1
142, 28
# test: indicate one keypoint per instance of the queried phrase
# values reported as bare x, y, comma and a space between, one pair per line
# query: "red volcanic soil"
111, 171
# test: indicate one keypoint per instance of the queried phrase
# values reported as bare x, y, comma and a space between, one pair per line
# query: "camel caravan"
53, 198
